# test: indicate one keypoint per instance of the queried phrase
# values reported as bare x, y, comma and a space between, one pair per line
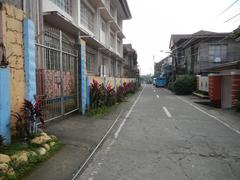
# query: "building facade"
163, 67
195, 53
130, 61
59, 47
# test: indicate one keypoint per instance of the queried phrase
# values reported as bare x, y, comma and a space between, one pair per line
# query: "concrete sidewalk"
80, 135
228, 116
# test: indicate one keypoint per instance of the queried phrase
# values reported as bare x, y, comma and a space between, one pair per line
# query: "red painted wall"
215, 90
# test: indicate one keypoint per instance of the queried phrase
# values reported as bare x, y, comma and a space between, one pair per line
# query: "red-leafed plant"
110, 95
96, 94
129, 87
119, 94
26, 124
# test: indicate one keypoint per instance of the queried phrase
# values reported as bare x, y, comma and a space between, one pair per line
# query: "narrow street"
165, 137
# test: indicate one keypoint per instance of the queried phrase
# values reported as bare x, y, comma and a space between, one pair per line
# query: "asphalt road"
163, 137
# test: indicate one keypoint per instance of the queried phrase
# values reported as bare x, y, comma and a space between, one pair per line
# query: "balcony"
63, 7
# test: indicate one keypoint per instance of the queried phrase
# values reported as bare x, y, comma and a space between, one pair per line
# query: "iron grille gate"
57, 74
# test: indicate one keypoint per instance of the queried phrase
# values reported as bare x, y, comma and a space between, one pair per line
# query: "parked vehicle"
160, 81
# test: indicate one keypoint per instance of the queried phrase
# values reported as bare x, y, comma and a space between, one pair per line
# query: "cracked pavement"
151, 145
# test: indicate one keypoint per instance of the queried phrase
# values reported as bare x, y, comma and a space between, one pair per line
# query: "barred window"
87, 17
65, 5
90, 62
113, 67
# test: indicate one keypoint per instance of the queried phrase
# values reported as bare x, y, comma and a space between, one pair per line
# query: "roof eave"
126, 9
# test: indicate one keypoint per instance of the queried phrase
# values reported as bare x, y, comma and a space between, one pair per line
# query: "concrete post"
5, 105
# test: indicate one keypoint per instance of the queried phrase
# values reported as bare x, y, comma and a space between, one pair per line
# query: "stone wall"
12, 33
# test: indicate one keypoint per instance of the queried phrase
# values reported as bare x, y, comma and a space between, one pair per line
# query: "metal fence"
57, 74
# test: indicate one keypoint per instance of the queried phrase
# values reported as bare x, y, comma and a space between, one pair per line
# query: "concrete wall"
12, 29
202, 83
119, 81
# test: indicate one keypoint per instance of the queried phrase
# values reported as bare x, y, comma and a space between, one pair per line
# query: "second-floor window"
112, 40
65, 5
119, 45
90, 62
87, 17
217, 53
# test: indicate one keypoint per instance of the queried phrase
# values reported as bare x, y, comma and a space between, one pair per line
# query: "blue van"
160, 81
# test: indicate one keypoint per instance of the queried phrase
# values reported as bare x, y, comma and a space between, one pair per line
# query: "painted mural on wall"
50, 83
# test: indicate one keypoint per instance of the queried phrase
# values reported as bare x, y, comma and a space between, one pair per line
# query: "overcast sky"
153, 22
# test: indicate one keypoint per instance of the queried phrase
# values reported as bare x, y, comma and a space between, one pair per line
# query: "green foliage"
13, 148
120, 95
185, 85
100, 112
171, 85
27, 119
110, 95
23, 169
1, 140
102, 98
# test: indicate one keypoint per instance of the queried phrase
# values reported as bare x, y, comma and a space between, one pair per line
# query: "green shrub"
185, 85
171, 85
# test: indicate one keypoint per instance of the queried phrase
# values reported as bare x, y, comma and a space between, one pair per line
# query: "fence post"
5, 104
88, 93
82, 76
29, 60
115, 86
105, 85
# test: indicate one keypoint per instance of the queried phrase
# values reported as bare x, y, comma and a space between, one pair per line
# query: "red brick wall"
214, 90
235, 88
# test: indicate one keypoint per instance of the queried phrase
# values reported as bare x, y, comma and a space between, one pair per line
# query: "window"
112, 40
217, 53
112, 11
103, 32
104, 27
65, 5
87, 17
113, 66
119, 45
119, 70
90, 62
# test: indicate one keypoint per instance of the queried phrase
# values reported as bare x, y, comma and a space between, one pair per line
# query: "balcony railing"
65, 5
